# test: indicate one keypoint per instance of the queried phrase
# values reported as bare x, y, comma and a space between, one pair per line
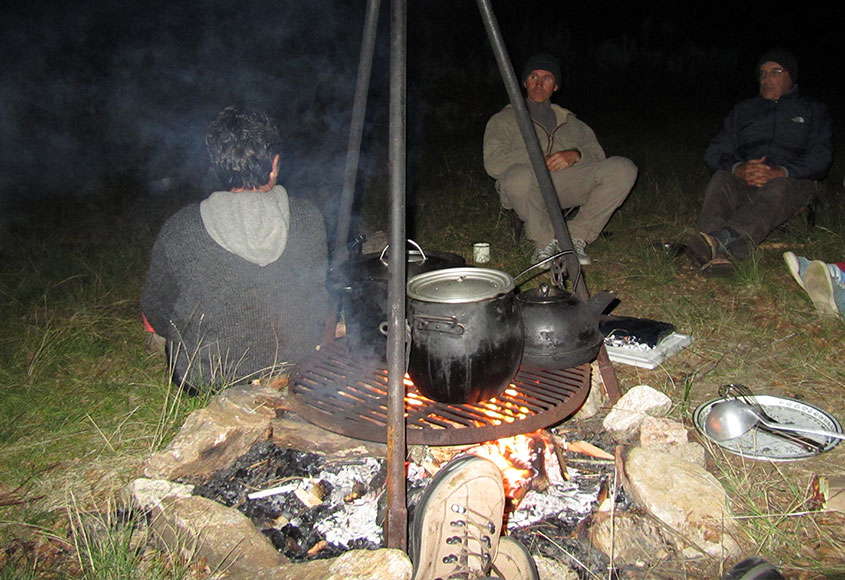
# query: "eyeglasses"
775, 72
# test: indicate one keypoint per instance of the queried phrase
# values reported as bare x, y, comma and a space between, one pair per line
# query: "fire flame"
521, 459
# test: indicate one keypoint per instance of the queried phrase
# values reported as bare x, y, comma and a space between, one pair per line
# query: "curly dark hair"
242, 147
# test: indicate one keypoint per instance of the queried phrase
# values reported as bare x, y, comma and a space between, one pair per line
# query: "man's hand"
756, 173
563, 159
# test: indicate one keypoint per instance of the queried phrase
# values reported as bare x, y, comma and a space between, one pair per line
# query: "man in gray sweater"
236, 283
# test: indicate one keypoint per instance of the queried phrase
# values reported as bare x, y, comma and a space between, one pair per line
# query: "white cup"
481, 252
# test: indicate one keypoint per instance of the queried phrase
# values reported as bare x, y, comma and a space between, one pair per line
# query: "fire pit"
345, 394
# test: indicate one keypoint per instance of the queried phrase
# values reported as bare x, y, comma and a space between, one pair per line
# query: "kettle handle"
410, 241
552, 257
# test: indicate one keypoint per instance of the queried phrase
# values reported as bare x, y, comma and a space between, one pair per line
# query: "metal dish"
757, 444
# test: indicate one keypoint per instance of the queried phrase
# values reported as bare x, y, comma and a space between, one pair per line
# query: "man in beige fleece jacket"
581, 173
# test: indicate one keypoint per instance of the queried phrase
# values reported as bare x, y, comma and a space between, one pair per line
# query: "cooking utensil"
733, 418
764, 444
362, 283
743, 393
561, 330
466, 333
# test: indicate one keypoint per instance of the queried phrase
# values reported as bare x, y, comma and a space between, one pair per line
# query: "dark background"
95, 94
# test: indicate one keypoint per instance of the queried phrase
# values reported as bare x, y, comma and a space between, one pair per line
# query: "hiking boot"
825, 284
580, 247
797, 266
544, 253
456, 527
513, 562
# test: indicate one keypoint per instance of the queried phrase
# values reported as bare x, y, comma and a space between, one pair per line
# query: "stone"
353, 565
624, 419
203, 530
147, 494
685, 497
661, 431
549, 569
212, 438
627, 537
291, 430
691, 451
596, 398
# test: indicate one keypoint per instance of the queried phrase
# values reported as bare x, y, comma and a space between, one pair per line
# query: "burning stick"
560, 454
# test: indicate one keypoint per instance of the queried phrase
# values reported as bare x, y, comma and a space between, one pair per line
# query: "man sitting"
236, 283
766, 160
581, 173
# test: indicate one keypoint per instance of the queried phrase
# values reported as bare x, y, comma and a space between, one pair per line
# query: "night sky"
92, 90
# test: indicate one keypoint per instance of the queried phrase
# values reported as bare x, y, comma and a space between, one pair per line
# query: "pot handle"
445, 324
410, 241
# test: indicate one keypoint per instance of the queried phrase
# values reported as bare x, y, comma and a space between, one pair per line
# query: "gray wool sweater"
225, 318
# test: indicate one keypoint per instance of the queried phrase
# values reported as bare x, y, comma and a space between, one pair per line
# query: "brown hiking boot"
456, 527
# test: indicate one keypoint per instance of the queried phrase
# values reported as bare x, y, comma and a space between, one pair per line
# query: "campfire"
312, 506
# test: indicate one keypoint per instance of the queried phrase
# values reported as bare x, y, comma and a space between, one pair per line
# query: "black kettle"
561, 330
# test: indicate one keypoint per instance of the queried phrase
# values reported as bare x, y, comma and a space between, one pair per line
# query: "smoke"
95, 91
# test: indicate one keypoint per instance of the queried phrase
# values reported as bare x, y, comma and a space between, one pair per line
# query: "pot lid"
459, 285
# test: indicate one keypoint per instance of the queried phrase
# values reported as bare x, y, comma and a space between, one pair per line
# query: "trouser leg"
724, 195
518, 190
752, 211
598, 188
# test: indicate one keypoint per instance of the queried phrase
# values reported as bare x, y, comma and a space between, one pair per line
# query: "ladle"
733, 418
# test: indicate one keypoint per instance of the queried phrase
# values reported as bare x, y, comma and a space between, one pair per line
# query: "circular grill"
348, 395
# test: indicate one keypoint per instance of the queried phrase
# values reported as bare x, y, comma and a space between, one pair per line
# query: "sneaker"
797, 266
513, 562
825, 284
458, 520
544, 253
580, 247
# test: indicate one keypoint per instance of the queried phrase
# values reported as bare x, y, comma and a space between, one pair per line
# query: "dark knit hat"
542, 61
784, 58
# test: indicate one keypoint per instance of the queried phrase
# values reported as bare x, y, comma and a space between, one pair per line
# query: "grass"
84, 403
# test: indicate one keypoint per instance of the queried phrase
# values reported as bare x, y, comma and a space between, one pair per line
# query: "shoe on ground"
457, 523
797, 266
702, 247
544, 253
718, 267
514, 562
580, 247
753, 569
825, 285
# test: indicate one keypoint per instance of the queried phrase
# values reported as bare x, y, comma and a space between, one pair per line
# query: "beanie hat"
543, 61
784, 58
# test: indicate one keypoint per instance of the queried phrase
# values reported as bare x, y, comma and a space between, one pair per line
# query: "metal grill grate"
348, 395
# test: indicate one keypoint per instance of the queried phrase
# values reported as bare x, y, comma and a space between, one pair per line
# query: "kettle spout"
600, 300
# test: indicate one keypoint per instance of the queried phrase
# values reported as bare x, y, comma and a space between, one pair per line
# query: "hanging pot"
362, 283
466, 333
561, 330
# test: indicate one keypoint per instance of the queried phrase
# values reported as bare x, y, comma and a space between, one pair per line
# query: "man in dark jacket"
767, 159
236, 283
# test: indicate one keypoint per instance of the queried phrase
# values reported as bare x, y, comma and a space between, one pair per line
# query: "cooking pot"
561, 330
466, 333
362, 283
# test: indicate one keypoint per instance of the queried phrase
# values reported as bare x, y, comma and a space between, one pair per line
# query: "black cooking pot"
466, 333
561, 330
363, 286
